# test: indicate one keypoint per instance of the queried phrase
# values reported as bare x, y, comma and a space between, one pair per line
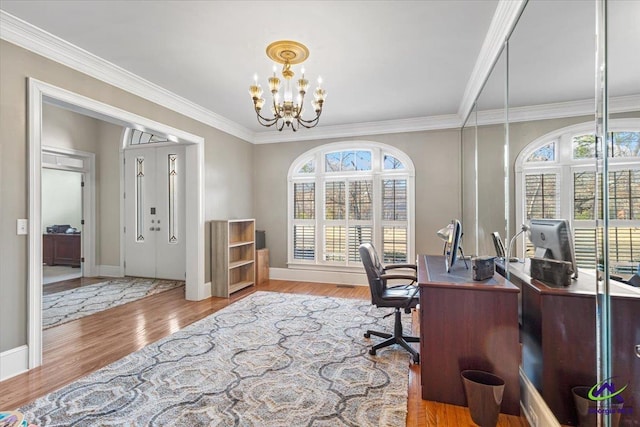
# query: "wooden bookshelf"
232, 256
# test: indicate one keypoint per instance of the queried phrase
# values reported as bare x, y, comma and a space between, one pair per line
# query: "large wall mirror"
584, 334
485, 199
620, 342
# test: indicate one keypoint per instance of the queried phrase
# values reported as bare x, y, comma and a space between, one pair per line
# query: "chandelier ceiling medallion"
285, 109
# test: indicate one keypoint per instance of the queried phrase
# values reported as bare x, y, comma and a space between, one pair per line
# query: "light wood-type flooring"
75, 349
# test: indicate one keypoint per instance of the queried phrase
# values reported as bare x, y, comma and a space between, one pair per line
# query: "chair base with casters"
396, 338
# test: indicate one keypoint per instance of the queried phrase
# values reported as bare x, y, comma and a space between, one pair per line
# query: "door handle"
151, 228
157, 228
638, 350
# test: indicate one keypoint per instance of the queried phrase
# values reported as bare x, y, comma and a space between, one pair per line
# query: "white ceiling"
379, 60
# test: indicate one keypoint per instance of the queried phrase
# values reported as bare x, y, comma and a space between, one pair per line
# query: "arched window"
344, 194
556, 178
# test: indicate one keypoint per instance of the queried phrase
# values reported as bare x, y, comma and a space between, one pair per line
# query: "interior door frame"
88, 265
40, 92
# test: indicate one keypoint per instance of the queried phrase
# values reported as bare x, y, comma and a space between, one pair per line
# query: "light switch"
23, 225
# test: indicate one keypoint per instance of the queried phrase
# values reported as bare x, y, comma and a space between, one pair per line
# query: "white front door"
154, 210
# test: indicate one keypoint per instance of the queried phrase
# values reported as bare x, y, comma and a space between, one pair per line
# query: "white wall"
61, 198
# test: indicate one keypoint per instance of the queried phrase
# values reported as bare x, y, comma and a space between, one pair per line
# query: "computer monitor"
553, 239
452, 235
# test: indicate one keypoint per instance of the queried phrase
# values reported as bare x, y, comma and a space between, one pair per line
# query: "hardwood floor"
77, 348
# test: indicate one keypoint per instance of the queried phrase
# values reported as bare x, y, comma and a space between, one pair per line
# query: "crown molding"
448, 121
621, 104
504, 20
34, 39
557, 110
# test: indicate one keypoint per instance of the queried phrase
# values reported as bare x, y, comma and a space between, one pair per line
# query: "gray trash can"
484, 396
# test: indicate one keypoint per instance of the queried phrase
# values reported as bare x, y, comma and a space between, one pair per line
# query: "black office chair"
401, 296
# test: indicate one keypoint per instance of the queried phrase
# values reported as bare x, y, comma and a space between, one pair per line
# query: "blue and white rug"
65, 306
270, 359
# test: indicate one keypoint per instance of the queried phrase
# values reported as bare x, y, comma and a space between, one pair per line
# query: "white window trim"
565, 165
320, 176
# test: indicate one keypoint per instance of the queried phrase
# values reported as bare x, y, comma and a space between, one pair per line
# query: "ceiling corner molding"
448, 121
557, 110
502, 24
622, 104
34, 39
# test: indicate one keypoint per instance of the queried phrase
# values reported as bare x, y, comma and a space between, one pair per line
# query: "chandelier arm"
307, 125
313, 122
265, 119
317, 112
267, 122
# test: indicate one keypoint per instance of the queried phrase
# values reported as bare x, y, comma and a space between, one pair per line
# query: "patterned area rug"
63, 307
270, 359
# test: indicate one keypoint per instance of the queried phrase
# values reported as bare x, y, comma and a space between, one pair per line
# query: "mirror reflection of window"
544, 175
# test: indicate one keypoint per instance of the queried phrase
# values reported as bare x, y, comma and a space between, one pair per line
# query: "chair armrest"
392, 266
398, 276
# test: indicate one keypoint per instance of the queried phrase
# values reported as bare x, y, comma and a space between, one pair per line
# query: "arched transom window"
344, 194
556, 178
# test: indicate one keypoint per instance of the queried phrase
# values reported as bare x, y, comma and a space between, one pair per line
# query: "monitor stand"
463, 258
446, 260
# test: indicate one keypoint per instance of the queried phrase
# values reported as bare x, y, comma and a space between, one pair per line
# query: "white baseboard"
317, 276
533, 405
14, 362
109, 271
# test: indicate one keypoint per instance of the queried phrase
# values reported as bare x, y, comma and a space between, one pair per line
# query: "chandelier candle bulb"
274, 84
303, 85
319, 94
255, 91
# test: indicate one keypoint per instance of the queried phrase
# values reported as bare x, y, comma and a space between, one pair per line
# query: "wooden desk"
466, 324
61, 249
559, 339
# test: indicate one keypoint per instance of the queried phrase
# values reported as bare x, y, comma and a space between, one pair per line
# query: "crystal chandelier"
286, 110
